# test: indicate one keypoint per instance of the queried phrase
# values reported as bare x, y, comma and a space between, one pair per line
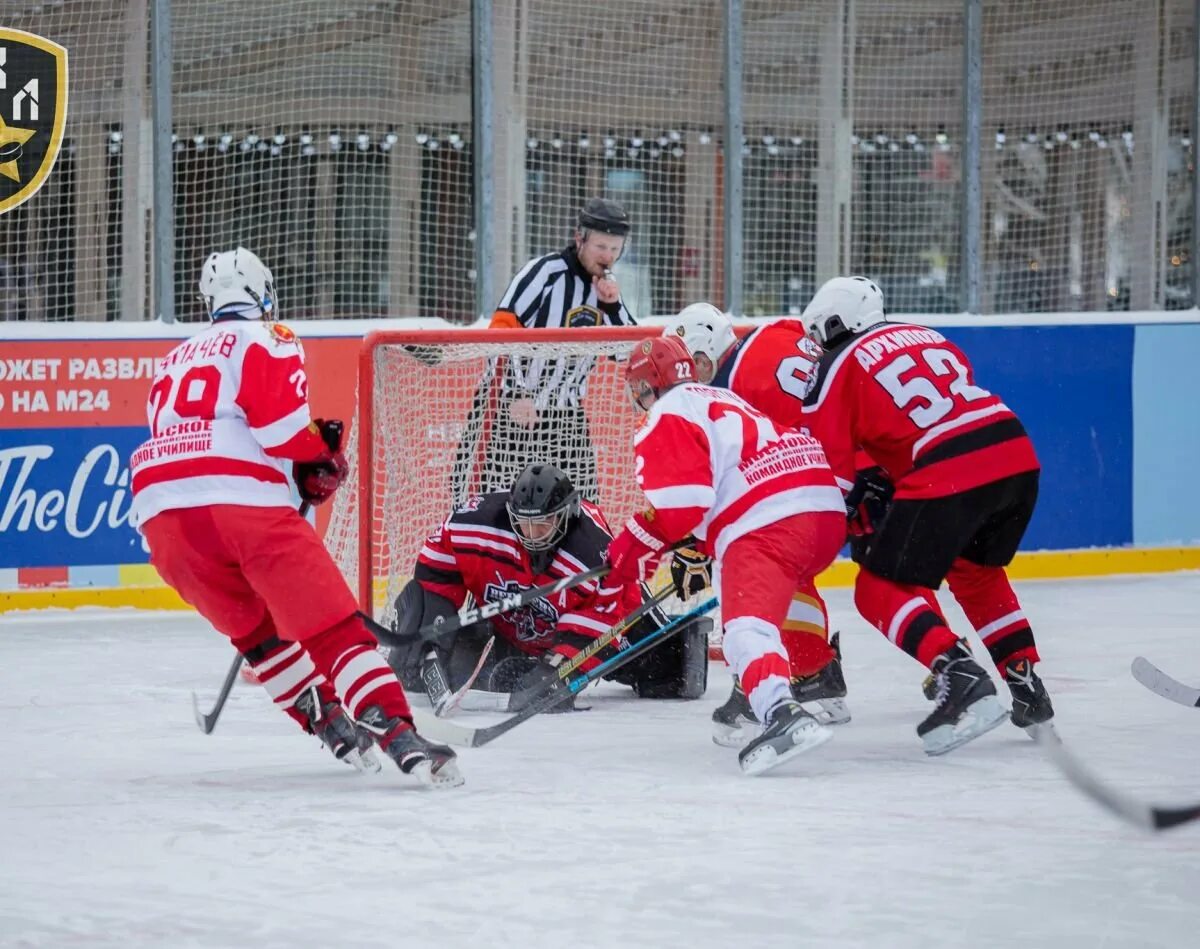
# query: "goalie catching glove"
634, 553
316, 480
691, 572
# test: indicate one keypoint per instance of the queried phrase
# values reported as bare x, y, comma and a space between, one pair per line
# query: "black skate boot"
329, 722
826, 689
966, 702
790, 731
735, 721
1031, 708
432, 764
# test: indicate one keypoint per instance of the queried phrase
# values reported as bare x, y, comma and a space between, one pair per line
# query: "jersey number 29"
195, 395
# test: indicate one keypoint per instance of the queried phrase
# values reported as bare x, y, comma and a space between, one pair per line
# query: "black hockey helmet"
601, 214
541, 507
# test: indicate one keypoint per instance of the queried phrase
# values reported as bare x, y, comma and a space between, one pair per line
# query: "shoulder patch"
281, 333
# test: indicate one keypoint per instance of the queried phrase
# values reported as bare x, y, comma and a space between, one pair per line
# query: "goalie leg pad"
678, 669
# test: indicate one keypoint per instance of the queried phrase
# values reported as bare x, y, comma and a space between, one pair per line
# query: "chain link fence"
340, 142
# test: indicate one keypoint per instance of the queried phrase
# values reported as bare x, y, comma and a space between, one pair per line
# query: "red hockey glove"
634, 553
317, 480
868, 501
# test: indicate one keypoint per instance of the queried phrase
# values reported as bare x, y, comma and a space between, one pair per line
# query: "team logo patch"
33, 113
531, 623
646, 347
282, 334
584, 316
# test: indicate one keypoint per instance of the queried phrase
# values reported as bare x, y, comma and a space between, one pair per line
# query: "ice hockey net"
437, 422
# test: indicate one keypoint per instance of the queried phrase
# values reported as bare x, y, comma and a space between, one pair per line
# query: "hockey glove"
868, 501
691, 572
317, 480
634, 553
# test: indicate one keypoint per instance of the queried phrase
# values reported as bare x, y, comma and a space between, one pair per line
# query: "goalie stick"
1149, 817
455, 734
1157, 681
473, 614
481, 701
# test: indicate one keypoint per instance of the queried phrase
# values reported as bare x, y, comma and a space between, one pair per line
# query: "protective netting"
619, 99
332, 139
1087, 160
445, 423
851, 162
60, 251
337, 141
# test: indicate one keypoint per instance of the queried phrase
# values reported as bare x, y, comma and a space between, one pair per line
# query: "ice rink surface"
122, 825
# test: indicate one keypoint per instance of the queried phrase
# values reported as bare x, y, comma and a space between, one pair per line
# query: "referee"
538, 415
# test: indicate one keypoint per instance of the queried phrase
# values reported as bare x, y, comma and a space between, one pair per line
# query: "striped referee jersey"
553, 292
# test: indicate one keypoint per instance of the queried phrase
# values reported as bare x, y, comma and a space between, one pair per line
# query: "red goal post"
436, 421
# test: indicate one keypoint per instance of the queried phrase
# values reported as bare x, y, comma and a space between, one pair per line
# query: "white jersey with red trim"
221, 406
712, 465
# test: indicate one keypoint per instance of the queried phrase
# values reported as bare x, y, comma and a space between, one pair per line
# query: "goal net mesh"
445, 422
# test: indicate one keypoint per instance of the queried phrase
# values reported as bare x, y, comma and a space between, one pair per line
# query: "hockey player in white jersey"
229, 420
758, 498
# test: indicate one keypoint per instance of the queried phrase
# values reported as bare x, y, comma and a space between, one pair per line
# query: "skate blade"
828, 711
979, 718
767, 757
735, 736
366, 762
1043, 731
445, 777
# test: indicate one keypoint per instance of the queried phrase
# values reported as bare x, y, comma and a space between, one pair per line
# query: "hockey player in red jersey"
506, 542
965, 477
229, 420
772, 369
759, 498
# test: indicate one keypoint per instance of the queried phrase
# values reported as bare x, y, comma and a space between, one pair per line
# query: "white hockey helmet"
704, 329
843, 305
236, 283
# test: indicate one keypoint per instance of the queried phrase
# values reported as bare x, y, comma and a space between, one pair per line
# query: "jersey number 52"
935, 405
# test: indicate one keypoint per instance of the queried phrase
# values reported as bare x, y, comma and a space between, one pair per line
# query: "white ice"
121, 825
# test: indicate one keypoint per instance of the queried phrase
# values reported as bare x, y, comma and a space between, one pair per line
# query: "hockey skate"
735, 721
432, 764
823, 693
790, 731
1031, 708
329, 722
966, 702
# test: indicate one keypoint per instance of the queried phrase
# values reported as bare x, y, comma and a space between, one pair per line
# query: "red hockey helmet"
656, 365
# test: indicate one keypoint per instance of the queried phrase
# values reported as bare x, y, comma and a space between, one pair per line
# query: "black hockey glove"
691, 572
868, 501
317, 480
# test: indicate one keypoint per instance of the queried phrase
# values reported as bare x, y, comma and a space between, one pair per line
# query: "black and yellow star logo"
11, 140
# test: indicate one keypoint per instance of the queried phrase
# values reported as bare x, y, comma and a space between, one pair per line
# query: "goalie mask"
542, 505
236, 284
656, 365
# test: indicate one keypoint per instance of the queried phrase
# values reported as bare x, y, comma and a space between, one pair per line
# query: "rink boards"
1111, 405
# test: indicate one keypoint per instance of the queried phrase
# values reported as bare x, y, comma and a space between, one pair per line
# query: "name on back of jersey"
869, 353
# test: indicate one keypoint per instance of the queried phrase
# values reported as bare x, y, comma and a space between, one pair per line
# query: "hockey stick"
455, 734
208, 722
472, 615
481, 701
1129, 809
1157, 681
